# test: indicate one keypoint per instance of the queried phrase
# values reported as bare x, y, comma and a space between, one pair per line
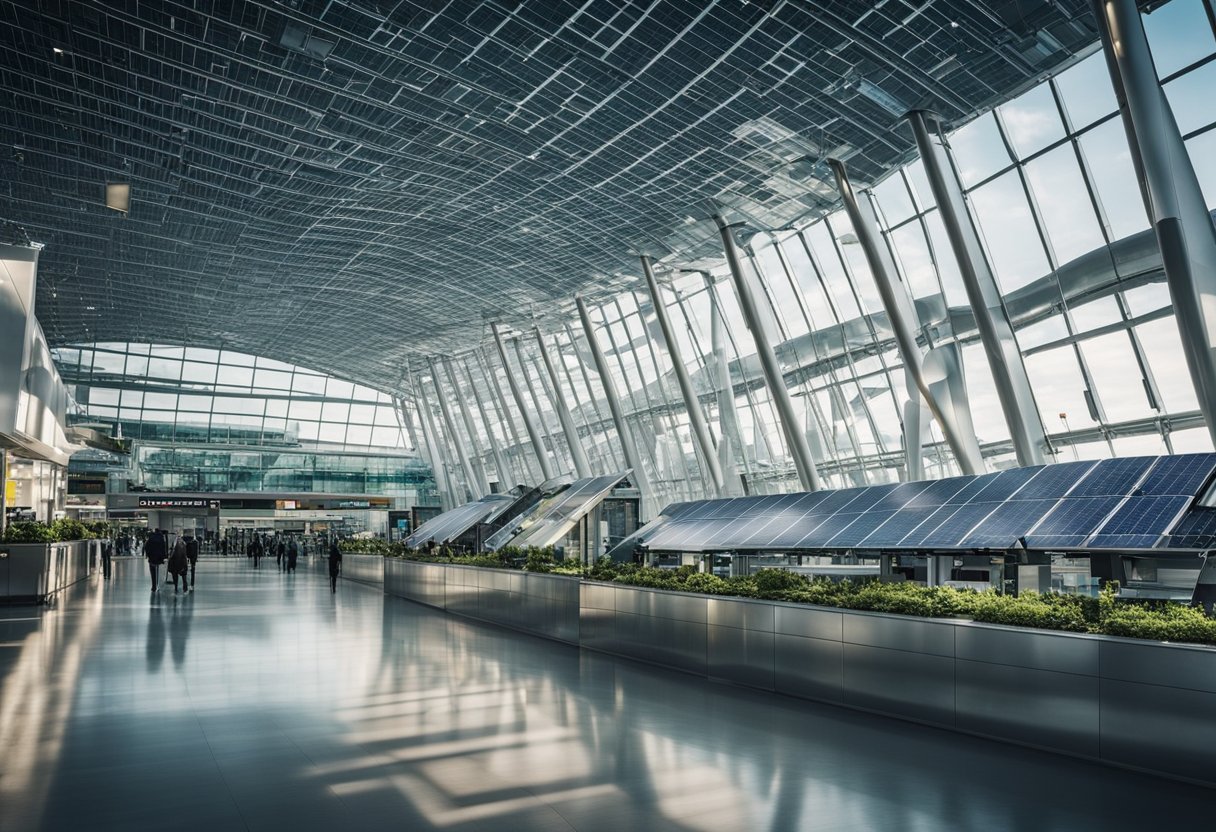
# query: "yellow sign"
10, 492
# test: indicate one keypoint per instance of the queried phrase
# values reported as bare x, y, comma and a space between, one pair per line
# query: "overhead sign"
177, 502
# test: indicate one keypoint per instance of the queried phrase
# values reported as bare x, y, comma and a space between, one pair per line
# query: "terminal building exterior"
858, 355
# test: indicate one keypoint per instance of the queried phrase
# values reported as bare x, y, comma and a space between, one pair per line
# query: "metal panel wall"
1143, 705
367, 569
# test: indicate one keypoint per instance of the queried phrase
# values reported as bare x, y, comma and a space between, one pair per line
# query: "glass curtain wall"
1051, 187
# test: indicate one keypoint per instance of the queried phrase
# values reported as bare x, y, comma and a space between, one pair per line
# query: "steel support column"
692, 404
628, 448
996, 333
449, 423
447, 494
538, 443
500, 463
479, 470
1172, 194
902, 316
581, 466
503, 409
795, 439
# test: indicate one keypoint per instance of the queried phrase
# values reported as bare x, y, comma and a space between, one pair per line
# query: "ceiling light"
56, 50
118, 196
91, 308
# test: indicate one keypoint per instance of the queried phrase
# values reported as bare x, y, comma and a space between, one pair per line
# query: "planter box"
367, 569
539, 604
1131, 703
1125, 702
33, 572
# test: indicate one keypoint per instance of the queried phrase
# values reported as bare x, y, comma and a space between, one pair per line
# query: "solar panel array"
553, 519
452, 524
1128, 503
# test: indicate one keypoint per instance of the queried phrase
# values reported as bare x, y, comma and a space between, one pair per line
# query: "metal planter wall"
34, 571
1143, 705
543, 605
368, 569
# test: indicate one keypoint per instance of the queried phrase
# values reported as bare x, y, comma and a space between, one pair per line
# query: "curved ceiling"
344, 184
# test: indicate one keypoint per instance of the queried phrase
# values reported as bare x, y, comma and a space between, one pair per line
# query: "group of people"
286, 551
182, 558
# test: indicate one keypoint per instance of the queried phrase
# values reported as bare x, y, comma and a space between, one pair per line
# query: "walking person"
107, 552
192, 556
293, 552
155, 550
255, 551
335, 565
179, 564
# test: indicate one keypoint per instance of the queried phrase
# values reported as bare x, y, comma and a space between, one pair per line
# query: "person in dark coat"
192, 556
179, 564
279, 551
335, 565
156, 550
107, 552
293, 552
255, 551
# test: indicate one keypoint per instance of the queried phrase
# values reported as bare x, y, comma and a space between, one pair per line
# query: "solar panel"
799, 530
1113, 477
1071, 521
897, 527
1196, 530
1182, 475
452, 524
940, 491
830, 527
1052, 481
554, 517
919, 536
1005, 523
1138, 518
994, 488
863, 525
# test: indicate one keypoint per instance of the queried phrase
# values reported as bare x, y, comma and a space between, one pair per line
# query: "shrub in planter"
65, 529
28, 531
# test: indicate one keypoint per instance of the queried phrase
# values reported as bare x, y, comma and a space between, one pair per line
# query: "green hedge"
1157, 620
530, 558
61, 531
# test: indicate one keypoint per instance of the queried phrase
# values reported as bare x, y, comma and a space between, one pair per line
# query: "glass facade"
1051, 188
219, 421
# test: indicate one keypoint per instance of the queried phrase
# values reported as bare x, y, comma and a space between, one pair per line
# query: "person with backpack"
335, 565
179, 564
192, 556
155, 549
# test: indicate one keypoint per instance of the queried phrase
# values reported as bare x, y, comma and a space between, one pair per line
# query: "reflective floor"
265, 702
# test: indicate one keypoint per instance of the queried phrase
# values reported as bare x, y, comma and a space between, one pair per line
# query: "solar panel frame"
1139, 515
1196, 530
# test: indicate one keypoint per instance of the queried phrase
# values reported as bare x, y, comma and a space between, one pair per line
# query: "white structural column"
718, 366
447, 494
449, 423
581, 466
800, 449
483, 482
511, 433
692, 404
996, 333
538, 442
628, 448
1171, 190
956, 427
500, 464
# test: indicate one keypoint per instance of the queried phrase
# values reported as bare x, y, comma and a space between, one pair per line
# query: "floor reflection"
282, 706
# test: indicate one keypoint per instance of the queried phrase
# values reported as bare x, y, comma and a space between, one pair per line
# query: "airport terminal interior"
607, 414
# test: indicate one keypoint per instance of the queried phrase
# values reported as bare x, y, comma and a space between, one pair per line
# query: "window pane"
1202, 150
1179, 34
1163, 349
1191, 98
1106, 152
1086, 91
1113, 367
1064, 203
1032, 120
978, 150
1009, 230
1059, 389
894, 199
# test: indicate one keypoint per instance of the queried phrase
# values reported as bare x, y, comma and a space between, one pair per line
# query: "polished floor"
263, 702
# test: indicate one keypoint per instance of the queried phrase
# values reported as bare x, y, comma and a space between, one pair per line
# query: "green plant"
65, 529
28, 531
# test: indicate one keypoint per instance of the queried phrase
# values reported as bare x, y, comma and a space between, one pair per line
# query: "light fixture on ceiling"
118, 196
56, 50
